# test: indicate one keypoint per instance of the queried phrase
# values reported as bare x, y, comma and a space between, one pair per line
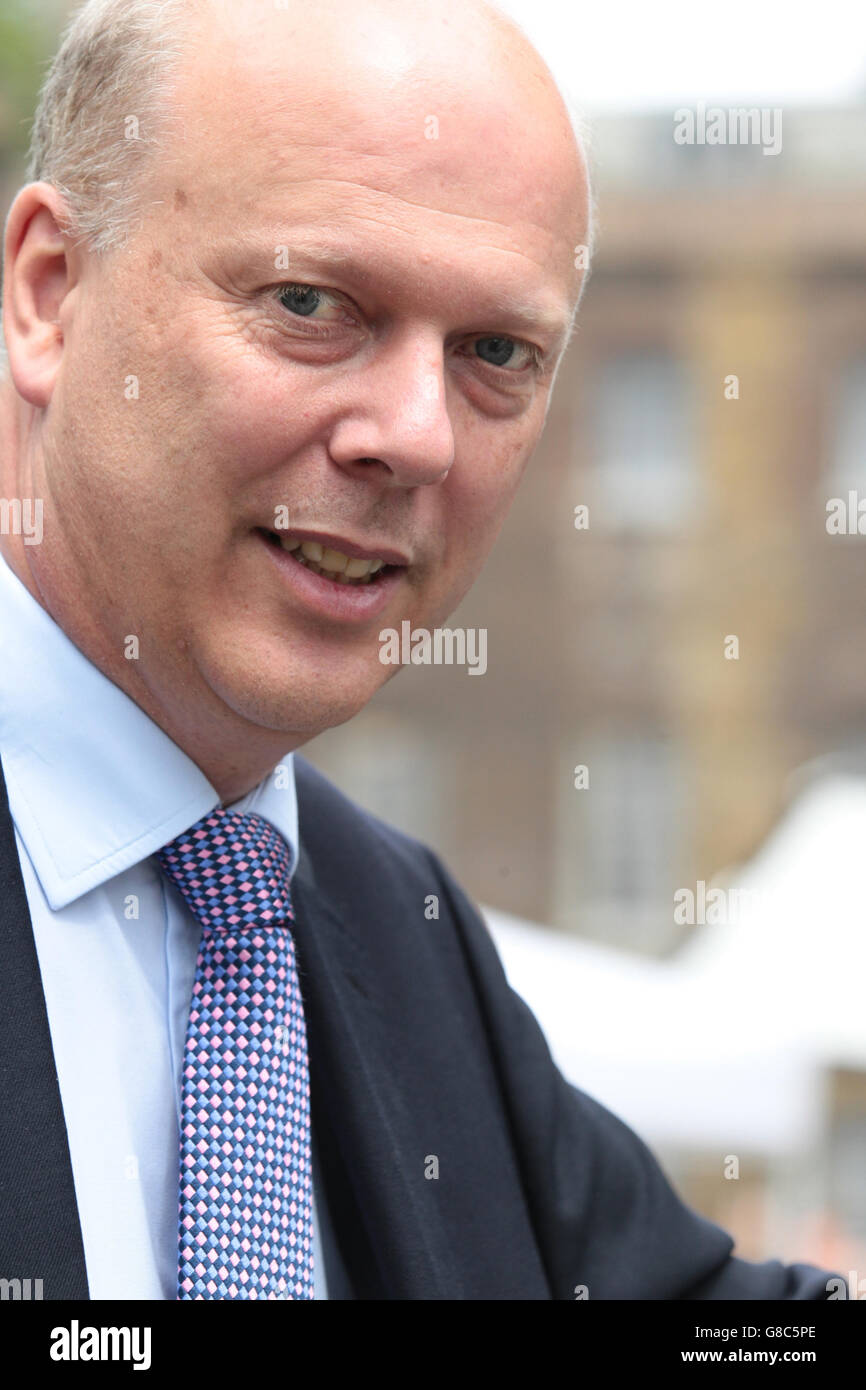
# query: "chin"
299, 702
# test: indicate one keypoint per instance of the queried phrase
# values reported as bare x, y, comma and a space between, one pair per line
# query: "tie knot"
232, 867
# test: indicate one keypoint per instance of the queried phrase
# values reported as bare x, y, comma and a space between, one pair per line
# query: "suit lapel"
389, 1240
40, 1234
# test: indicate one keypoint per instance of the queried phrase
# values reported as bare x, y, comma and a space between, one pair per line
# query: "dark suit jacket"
419, 1051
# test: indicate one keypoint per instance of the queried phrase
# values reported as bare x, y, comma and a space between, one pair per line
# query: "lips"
335, 577
342, 561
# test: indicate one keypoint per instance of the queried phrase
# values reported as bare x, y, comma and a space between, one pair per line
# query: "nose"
397, 417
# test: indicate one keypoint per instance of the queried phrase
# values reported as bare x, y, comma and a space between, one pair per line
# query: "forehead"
456, 154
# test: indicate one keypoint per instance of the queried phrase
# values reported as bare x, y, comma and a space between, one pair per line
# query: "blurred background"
658, 790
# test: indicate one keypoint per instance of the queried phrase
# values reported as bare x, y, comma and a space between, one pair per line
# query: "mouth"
334, 579
328, 562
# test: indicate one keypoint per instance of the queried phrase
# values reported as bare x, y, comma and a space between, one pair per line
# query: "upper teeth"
334, 561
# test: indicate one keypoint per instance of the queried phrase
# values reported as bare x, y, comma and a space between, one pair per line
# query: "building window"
620, 840
848, 463
644, 476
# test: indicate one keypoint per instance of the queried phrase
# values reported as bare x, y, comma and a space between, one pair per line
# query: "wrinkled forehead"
272, 117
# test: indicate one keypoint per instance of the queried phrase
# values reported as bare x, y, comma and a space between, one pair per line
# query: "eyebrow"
533, 316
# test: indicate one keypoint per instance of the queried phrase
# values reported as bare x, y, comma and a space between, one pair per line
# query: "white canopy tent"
727, 1045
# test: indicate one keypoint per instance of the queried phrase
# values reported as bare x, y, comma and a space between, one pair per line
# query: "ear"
37, 280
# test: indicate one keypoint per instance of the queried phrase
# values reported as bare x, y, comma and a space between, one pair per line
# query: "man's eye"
504, 352
305, 300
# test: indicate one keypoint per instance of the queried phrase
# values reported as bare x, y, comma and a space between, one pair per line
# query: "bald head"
107, 101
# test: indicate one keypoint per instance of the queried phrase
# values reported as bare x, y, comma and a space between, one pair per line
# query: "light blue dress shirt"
95, 789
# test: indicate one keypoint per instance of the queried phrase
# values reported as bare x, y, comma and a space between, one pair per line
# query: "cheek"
249, 415
209, 403
473, 506
484, 482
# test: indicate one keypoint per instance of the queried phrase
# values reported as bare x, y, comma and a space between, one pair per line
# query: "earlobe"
36, 283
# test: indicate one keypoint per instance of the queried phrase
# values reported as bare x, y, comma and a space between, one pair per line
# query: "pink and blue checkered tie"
245, 1172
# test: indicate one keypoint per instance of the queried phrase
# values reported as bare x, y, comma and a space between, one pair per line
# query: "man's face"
338, 323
